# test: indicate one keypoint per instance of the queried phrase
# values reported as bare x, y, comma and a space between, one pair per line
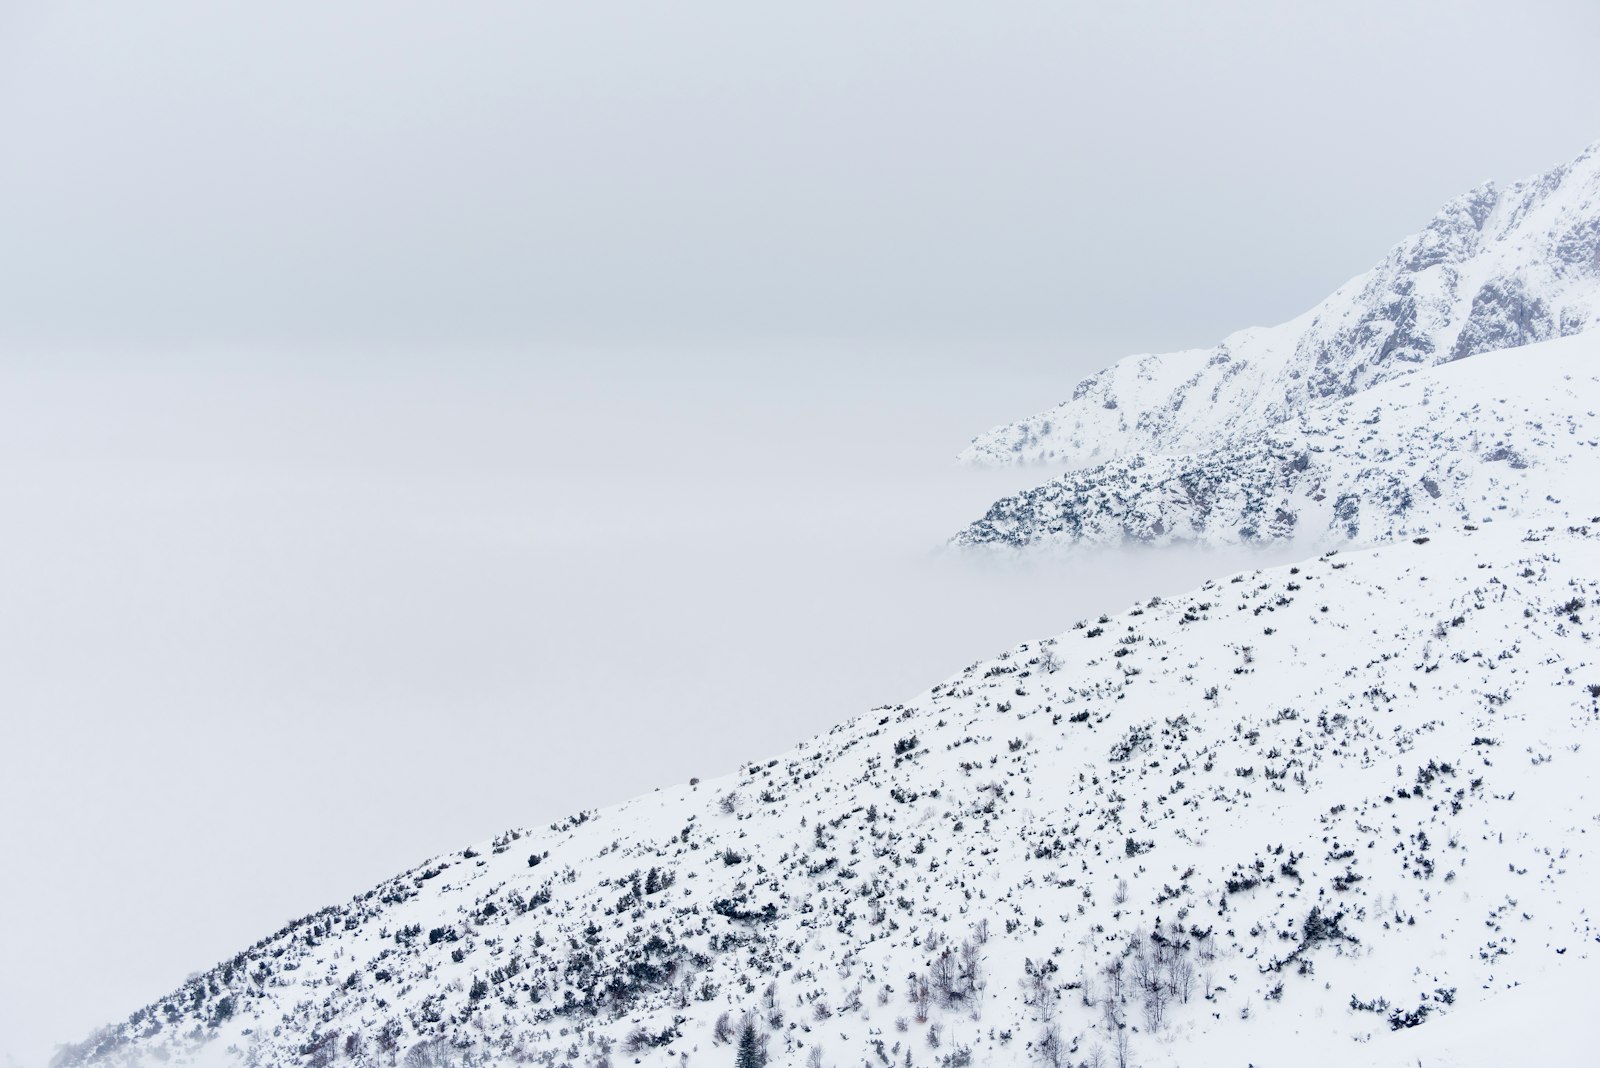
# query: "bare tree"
769, 1006
1181, 970
1039, 990
1116, 975
971, 965
430, 1053
1150, 980
972, 978
945, 978
920, 997
1050, 1048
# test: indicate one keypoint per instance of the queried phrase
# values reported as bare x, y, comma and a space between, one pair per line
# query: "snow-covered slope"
1495, 268
1507, 436
1336, 813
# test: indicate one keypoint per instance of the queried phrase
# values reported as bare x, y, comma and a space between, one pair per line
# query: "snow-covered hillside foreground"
1338, 813
1494, 269
1502, 437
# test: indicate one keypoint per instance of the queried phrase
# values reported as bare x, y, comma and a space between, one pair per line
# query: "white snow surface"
1495, 268
1506, 437
1334, 814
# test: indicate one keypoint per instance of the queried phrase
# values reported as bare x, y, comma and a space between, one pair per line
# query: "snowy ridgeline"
1494, 269
1336, 813
1500, 438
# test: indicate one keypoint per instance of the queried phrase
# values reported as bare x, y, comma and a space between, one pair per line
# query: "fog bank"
276, 627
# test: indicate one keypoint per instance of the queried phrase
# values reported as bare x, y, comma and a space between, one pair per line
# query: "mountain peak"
1494, 268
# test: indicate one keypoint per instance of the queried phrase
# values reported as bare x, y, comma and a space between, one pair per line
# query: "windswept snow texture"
1494, 269
1336, 813
1508, 436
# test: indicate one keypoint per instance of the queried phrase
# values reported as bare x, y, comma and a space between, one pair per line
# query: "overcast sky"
422, 419
1150, 174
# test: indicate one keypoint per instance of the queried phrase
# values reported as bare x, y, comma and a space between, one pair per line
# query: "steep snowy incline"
1494, 269
1338, 813
1505, 437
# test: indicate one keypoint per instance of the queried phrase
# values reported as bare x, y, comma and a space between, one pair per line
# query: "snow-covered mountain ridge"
1495, 268
1337, 813
1504, 437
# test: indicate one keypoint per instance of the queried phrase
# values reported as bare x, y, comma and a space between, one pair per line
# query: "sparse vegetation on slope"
1342, 802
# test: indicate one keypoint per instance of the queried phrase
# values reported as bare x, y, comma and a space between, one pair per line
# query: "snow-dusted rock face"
1337, 814
1505, 437
1495, 268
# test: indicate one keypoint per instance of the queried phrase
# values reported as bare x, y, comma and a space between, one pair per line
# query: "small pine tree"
749, 1048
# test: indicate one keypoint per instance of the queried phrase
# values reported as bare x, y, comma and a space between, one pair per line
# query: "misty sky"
418, 420
1143, 175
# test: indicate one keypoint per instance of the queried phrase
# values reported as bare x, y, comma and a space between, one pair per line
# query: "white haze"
295, 591
1143, 175
276, 627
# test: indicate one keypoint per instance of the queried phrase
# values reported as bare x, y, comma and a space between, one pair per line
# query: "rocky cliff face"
1495, 268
